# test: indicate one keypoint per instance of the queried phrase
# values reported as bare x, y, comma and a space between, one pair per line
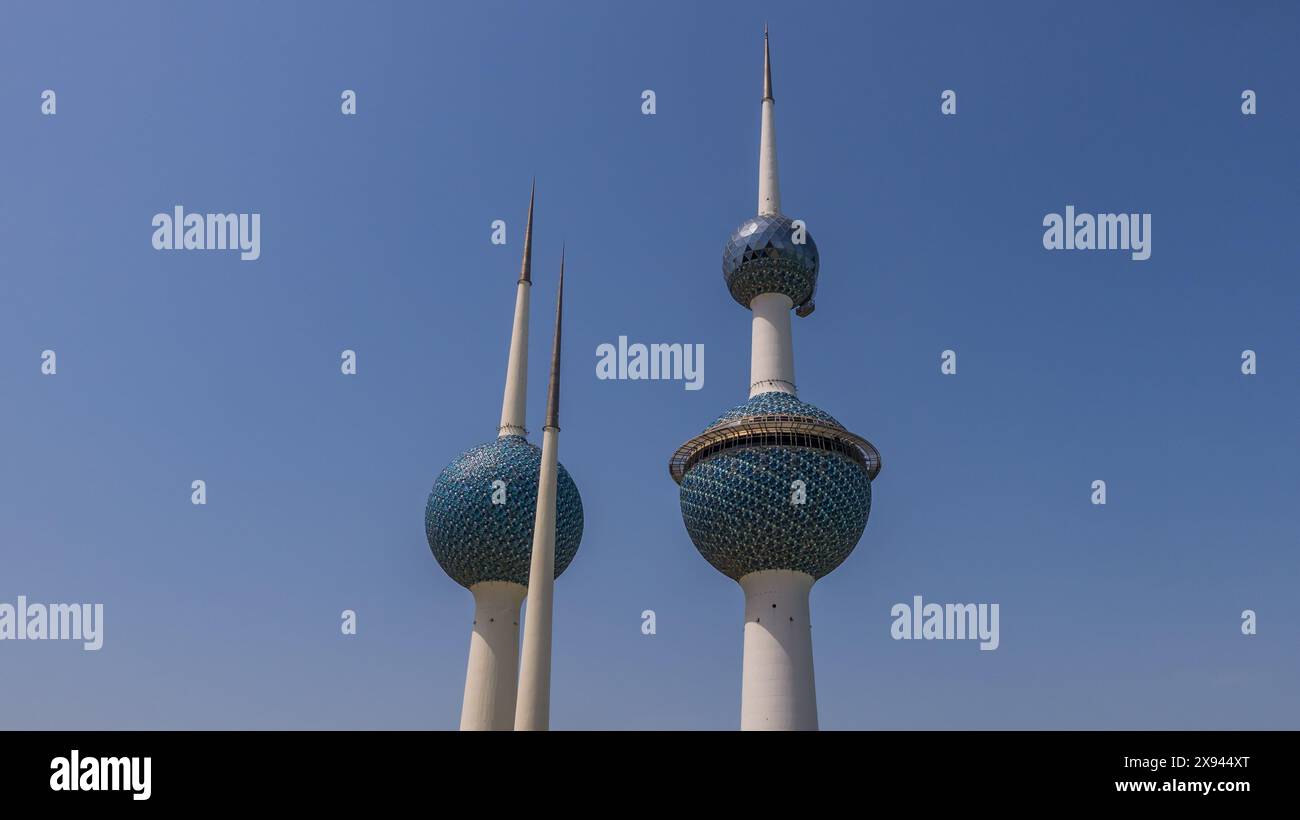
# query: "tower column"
771, 362
777, 690
491, 681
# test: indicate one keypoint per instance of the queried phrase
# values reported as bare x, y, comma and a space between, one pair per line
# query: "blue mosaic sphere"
762, 257
737, 502
475, 540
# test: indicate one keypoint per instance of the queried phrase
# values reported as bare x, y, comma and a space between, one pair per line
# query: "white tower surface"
776, 688
490, 680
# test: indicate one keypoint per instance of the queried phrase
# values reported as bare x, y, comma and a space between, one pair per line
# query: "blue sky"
1072, 366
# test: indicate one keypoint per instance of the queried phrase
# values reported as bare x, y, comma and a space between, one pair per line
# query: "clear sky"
1073, 366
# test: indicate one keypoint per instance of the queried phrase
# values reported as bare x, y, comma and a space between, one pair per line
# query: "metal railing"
775, 431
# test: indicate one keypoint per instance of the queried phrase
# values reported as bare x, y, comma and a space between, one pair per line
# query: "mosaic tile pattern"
736, 503
761, 257
736, 506
775, 403
475, 540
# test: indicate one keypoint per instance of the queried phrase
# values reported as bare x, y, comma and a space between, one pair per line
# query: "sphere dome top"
775, 403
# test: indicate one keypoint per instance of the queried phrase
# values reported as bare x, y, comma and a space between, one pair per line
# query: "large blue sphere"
762, 257
737, 503
476, 540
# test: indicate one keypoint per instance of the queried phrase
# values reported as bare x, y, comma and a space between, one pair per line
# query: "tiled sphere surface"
775, 403
762, 257
475, 540
738, 511
737, 504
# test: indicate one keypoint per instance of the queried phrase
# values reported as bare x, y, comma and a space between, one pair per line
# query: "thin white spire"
533, 708
769, 187
514, 404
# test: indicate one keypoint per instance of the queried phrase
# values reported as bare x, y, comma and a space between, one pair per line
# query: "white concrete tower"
534, 707
776, 493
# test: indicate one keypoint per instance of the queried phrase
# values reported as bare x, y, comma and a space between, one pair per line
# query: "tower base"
493, 675
777, 690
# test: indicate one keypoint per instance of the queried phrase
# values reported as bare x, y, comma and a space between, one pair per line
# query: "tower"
775, 493
534, 707
479, 523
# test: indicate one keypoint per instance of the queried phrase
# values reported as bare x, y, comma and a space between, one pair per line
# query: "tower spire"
769, 188
533, 711
553, 392
767, 68
526, 269
514, 403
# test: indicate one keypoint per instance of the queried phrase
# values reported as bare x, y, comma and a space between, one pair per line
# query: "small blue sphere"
762, 257
475, 539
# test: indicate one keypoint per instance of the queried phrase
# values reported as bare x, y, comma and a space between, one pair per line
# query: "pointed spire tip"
767, 68
553, 391
526, 268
